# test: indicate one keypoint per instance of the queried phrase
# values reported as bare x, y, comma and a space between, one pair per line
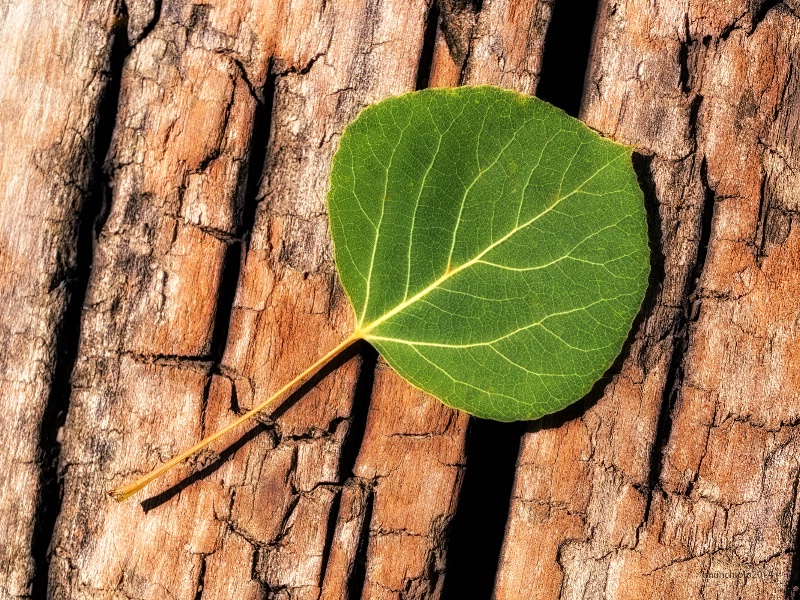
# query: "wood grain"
53, 67
211, 284
680, 480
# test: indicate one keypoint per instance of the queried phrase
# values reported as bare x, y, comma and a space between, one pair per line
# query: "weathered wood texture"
615, 502
212, 284
52, 66
148, 381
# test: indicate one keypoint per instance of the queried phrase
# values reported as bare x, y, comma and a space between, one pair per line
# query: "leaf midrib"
364, 330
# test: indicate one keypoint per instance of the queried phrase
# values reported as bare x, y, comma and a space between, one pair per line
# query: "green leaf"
494, 249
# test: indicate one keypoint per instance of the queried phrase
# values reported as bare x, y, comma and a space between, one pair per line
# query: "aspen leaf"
494, 248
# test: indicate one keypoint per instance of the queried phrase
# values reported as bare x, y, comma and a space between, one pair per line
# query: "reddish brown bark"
53, 67
212, 284
699, 502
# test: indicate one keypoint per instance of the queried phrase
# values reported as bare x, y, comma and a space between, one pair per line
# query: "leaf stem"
126, 491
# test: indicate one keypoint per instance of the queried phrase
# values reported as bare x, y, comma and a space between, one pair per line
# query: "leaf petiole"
126, 491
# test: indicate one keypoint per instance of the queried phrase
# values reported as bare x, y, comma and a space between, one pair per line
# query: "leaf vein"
380, 221
538, 323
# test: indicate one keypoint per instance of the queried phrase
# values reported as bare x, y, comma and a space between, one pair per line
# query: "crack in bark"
478, 525
92, 216
681, 335
358, 577
425, 63
201, 578
457, 24
148, 27
203, 362
766, 6
775, 220
567, 46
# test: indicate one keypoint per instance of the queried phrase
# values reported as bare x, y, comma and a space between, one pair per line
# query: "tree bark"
184, 212
53, 67
211, 283
681, 478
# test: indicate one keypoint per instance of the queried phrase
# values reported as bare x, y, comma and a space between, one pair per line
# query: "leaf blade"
496, 217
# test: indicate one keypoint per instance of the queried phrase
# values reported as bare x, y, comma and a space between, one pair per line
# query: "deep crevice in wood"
157, 4
260, 139
664, 426
330, 529
201, 579
358, 415
693, 300
358, 578
457, 23
683, 57
706, 219
764, 207
351, 446
94, 211
259, 144
793, 582
428, 44
478, 528
225, 298
775, 218
642, 164
691, 308
566, 54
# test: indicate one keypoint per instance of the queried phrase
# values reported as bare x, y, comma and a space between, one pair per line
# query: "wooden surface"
159, 281
54, 72
684, 473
